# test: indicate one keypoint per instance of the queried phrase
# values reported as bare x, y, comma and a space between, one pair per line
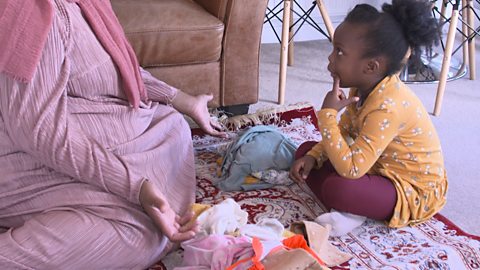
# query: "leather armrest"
241, 50
215, 7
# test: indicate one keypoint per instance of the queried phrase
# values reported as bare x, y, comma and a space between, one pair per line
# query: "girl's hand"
158, 209
336, 99
201, 116
301, 168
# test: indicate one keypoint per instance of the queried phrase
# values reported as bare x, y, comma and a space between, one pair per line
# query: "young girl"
383, 160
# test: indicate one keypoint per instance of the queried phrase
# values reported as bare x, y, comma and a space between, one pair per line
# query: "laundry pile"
227, 241
260, 158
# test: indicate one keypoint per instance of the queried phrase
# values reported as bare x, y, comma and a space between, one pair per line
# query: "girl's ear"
372, 66
376, 66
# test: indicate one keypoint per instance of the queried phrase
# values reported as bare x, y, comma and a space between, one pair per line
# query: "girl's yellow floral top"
390, 134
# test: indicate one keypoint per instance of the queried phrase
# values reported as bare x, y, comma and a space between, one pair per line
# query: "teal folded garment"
258, 148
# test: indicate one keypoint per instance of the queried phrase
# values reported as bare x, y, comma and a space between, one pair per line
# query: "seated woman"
96, 158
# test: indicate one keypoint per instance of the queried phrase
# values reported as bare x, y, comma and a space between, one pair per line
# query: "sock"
340, 222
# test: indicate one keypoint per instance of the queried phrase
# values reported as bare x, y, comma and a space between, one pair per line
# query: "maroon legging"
372, 196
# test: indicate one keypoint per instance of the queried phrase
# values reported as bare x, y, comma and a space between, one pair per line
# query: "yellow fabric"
287, 233
197, 209
393, 136
250, 180
219, 168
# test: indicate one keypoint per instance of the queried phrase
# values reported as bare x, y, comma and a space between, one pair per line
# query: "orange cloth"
298, 241
294, 242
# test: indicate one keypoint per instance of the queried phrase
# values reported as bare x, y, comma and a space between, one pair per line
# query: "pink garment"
73, 156
110, 33
216, 252
24, 26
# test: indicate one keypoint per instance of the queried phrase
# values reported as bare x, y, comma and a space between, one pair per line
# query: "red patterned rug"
435, 244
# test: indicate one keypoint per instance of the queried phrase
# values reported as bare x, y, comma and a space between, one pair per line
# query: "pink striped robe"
73, 156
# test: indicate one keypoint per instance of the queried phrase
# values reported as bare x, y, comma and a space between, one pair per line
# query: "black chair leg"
234, 109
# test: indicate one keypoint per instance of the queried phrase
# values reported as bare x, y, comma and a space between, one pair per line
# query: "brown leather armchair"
198, 46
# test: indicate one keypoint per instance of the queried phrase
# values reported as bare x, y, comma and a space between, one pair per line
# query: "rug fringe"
261, 116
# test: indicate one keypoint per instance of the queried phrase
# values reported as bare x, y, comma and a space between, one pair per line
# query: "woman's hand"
196, 108
158, 209
301, 168
201, 116
336, 99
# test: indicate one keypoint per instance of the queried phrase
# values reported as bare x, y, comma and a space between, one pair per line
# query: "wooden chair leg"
284, 51
464, 38
446, 60
326, 18
443, 11
290, 38
471, 42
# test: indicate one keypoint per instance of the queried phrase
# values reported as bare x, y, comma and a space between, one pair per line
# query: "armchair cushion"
170, 32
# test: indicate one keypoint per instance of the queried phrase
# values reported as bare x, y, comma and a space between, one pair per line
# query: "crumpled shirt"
258, 148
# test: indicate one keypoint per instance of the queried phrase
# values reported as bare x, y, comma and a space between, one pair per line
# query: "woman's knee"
75, 239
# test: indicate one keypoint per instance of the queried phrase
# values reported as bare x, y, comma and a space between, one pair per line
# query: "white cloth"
273, 176
265, 229
223, 218
341, 223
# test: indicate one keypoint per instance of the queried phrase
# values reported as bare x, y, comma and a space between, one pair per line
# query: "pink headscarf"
24, 26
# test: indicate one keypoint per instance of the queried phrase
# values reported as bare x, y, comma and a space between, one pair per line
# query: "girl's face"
346, 60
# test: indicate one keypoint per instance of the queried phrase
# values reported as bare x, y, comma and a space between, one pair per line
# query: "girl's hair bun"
402, 25
415, 17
